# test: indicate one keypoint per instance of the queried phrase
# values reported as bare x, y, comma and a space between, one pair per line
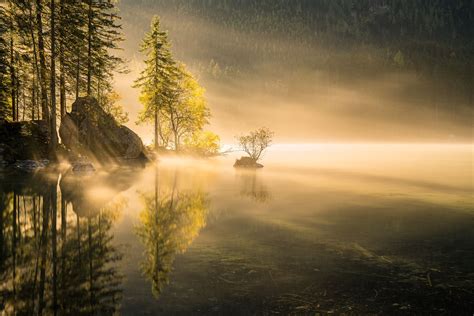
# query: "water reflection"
54, 259
170, 221
204, 238
252, 186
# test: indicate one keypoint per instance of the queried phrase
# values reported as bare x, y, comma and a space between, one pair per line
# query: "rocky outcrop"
88, 130
23, 141
247, 162
80, 167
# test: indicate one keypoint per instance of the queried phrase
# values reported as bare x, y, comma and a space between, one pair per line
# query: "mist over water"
364, 204
306, 86
314, 223
365, 228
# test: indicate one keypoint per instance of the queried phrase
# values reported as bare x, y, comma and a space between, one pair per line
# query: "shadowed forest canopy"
377, 60
421, 31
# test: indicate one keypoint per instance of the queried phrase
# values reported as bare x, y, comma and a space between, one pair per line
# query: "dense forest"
54, 51
428, 36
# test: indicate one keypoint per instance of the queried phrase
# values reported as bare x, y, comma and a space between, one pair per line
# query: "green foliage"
105, 35
399, 59
171, 96
109, 102
156, 80
204, 143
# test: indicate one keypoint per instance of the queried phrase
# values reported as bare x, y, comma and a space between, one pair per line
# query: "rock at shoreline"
247, 162
30, 165
81, 167
88, 130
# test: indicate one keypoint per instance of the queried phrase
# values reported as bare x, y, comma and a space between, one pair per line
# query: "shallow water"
322, 228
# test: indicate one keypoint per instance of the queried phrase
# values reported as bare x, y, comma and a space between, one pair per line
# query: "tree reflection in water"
252, 187
53, 259
170, 221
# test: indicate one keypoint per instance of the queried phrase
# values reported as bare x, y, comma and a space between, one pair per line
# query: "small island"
254, 145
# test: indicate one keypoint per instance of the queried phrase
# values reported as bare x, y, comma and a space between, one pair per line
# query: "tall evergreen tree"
42, 61
156, 81
103, 36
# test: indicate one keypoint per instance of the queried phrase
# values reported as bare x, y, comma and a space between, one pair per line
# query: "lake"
322, 228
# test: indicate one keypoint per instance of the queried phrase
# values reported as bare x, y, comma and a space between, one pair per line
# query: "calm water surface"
361, 229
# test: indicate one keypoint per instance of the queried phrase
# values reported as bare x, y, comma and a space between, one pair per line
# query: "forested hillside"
427, 36
414, 54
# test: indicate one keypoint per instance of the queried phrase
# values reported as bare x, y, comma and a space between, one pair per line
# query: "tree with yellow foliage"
171, 95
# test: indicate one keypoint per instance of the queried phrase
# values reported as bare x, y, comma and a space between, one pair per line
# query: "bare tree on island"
254, 144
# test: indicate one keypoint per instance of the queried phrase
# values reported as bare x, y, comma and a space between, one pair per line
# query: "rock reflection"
251, 186
170, 221
51, 260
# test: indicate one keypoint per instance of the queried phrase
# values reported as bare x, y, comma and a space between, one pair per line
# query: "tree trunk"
12, 68
54, 135
42, 61
62, 82
89, 49
33, 96
156, 129
36, 70
17, 92
78, 72
175, 131
176, 141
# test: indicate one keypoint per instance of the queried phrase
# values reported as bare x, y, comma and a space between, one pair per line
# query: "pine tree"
103, 36
42, 61
157, 80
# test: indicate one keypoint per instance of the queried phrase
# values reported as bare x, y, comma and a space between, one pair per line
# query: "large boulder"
89, 130
247, 162
26, 140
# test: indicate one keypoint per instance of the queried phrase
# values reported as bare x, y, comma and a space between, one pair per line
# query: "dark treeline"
51, 52
433, 33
